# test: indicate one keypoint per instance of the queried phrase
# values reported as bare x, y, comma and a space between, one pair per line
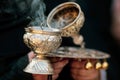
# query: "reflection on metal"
69, 18
98, 65
105, 65
76, 52
41, 42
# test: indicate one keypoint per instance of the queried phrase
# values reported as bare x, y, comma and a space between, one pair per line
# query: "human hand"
79, 72
58, 64
31, 55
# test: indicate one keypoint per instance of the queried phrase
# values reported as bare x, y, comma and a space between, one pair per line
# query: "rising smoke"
37, 13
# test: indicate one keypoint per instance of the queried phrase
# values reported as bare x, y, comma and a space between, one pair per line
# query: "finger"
74, 71
31, 55
84, 74
60, 64
74, 76
91, 77
57, 71
55, 76
55, 59
85, 78
78, 64
39, 77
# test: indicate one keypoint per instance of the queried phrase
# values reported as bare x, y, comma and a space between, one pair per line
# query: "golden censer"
41, 41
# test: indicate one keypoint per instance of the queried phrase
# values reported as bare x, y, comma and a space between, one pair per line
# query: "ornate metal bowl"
42, 41
68, 17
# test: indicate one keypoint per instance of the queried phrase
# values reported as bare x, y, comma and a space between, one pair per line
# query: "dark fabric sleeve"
16, 72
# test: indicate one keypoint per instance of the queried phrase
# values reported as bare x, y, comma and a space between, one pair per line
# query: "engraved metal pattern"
42, 42
68, 17
39, 66
76, 52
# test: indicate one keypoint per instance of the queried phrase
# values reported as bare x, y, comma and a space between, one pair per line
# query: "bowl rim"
52, 13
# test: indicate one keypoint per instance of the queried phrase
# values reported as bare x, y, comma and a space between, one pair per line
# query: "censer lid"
44, 30
63, 15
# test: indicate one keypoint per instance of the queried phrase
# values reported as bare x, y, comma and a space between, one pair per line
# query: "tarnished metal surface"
76, 52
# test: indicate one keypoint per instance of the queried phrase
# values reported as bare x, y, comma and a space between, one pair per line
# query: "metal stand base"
39, 66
